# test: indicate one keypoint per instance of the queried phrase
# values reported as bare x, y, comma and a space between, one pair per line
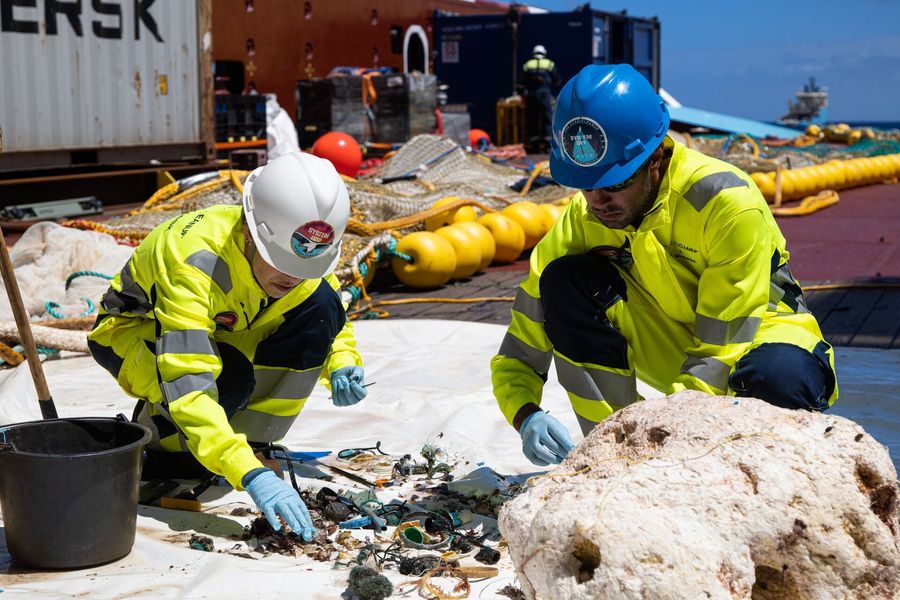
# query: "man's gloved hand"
544, 439
277, 498
347, 386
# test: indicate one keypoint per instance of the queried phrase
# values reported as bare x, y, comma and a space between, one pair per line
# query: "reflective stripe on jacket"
540, 71
708, 253
187, 285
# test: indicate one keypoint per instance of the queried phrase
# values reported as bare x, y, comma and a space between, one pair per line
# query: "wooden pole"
48, 409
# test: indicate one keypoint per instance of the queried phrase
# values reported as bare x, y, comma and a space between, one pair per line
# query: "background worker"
541, 80
222, 322
668, 266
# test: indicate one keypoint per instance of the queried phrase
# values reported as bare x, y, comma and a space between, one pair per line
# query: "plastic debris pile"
426, 521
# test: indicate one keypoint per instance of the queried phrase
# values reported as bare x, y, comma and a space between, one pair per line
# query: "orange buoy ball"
341, 149
482, 236
530, 218
463, 213
765, 182
551, 214
475, 137
468, 252
508, 236
433, 260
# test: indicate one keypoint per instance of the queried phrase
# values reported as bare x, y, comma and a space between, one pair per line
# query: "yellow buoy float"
530, 218
765, 182
482, 236
466, 247
432, 263
508, 236
552, 213
463, 213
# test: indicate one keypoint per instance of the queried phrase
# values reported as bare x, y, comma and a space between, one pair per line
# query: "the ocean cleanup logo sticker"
312, 239
583, 141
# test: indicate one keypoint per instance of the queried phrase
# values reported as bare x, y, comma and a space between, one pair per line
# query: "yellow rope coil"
355, 226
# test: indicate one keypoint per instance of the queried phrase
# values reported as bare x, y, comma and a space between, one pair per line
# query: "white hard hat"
539, 49
297, 208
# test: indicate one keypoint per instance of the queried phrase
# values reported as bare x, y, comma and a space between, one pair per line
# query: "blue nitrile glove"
277, 498
347, 386
544, 439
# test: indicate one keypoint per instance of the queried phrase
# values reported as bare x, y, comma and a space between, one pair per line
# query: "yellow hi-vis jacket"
709, 281
187, 286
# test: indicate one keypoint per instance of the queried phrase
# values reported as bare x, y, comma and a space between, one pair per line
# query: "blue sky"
747, 58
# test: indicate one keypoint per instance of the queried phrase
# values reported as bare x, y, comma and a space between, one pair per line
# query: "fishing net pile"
386, 203
762, 155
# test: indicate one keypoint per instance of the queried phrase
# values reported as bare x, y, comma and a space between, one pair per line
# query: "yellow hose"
808, 205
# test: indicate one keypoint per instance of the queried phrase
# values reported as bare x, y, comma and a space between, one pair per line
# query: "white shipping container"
100, 74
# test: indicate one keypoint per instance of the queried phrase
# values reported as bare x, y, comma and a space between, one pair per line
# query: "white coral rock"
697, 496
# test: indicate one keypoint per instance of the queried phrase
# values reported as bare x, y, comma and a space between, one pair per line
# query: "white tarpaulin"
430, 377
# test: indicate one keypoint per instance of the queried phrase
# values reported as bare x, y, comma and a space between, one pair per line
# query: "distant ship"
810, 106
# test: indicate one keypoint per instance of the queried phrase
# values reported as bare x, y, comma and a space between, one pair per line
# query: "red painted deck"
858, 238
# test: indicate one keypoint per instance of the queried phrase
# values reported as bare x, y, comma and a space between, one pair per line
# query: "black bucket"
69, 490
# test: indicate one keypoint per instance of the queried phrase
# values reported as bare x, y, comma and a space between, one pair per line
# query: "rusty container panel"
99, 75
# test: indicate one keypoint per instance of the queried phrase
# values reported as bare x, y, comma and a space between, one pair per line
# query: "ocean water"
869, 384
874, 124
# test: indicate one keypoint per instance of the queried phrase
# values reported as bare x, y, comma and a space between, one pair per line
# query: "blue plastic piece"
357, 523
729, 124
304, 456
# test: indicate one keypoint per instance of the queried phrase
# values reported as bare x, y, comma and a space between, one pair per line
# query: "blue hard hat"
608, 121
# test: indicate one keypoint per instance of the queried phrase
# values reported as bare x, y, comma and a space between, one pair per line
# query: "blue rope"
391, 250
78, 274
53, 308
40, 350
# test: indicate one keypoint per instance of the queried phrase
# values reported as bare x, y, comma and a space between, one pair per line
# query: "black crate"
240, 118
246, 160
402, 107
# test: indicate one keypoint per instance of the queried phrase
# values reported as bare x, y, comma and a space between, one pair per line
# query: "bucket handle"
4, 445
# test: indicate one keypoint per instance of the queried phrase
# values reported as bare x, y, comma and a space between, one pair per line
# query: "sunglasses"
625, 184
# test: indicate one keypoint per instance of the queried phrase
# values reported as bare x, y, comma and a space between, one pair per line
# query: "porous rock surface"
696, 496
